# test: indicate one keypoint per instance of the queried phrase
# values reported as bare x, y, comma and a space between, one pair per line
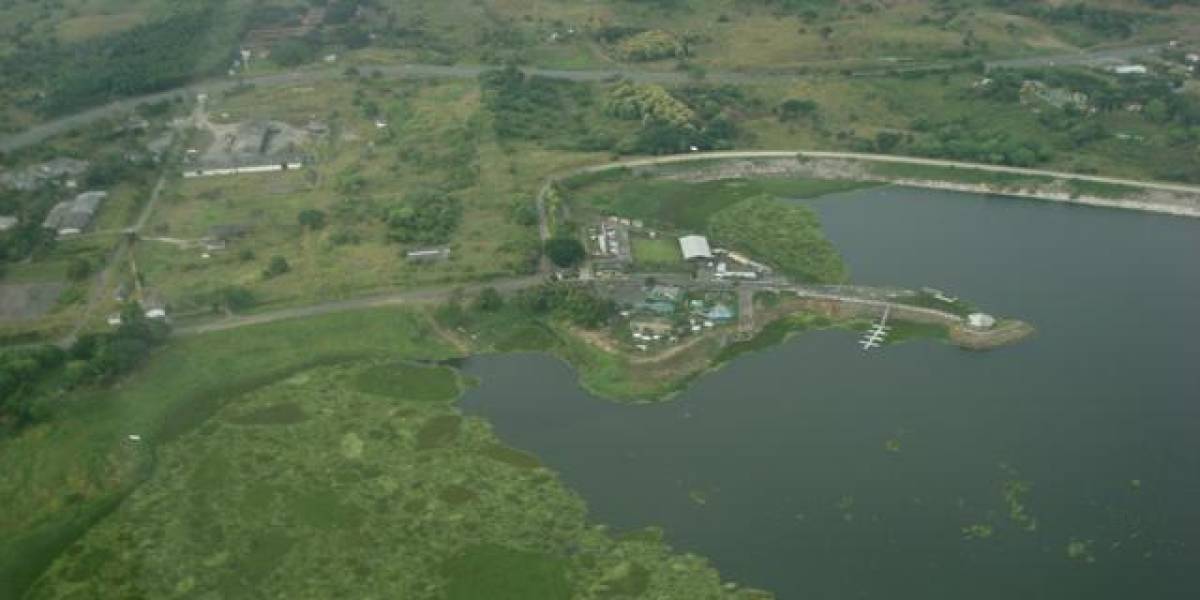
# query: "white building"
1130, 70
695, 247
723, 272
981, 321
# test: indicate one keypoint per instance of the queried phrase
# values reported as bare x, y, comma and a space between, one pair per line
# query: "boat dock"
878, 333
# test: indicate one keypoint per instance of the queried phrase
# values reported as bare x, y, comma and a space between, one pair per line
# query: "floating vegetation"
1081, 550
1135, 484
892, 445
698, 497
844, 505
340, 506
456, 495
977, 531
625, 580
500, 573
438, 432
409, 381
1015, 491
284, 413
511, 456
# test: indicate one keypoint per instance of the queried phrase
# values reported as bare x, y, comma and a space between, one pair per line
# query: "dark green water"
776, 468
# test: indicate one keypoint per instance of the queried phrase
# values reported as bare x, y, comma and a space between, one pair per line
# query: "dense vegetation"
540, 108
787, 236
425, 217
31, 379
151, 57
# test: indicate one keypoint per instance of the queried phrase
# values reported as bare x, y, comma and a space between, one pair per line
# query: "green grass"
410, 382
499, 573
657, 254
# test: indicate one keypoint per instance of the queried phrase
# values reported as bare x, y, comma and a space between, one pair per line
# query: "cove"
816, 471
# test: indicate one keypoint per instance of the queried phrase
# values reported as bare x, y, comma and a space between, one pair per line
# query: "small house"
1130, 70
650, 327
665, 293
427, 255
719, 313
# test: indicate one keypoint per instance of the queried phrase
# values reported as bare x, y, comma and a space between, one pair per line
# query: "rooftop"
695, 246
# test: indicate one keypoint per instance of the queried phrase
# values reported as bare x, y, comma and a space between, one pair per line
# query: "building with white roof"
695, 247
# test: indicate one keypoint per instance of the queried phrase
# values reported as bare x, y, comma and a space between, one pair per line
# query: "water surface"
782, 467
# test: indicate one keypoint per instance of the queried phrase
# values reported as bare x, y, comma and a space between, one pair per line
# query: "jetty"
878, 332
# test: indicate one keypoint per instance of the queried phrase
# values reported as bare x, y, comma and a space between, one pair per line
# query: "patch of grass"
456, 495
410, 382
528, 337
439, 432
285, 413
1103, 190
903, 331
511, 456
657, 254
500, 573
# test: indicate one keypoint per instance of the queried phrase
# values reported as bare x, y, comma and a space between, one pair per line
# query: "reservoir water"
1065, 467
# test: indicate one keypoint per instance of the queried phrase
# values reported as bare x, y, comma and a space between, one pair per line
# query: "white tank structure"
981, 321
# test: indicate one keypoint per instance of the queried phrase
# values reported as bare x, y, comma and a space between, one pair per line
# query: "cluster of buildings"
71, 217
720, 263
666, 312
58, 170
609, 246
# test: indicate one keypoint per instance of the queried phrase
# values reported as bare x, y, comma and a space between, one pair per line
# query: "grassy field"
437, 137
656, 254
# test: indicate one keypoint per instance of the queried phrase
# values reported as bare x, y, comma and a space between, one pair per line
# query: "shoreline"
1165, 198
1149, 206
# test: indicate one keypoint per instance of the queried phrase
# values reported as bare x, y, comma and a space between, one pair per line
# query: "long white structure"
242, 170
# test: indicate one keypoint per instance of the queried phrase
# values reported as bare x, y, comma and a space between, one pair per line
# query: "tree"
311, 219
277, 266
78, 269
425, 217
564, 251
794, 108
489, 300
293, 52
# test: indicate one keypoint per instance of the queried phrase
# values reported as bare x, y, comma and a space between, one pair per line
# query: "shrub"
311, 219
79, 269
276, 267
564, 251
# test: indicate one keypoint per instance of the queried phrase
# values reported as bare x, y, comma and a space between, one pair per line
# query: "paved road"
49, 129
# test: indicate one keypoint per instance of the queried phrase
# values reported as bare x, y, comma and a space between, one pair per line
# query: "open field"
436, 137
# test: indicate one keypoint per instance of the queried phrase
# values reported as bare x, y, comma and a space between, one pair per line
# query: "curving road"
40, 133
